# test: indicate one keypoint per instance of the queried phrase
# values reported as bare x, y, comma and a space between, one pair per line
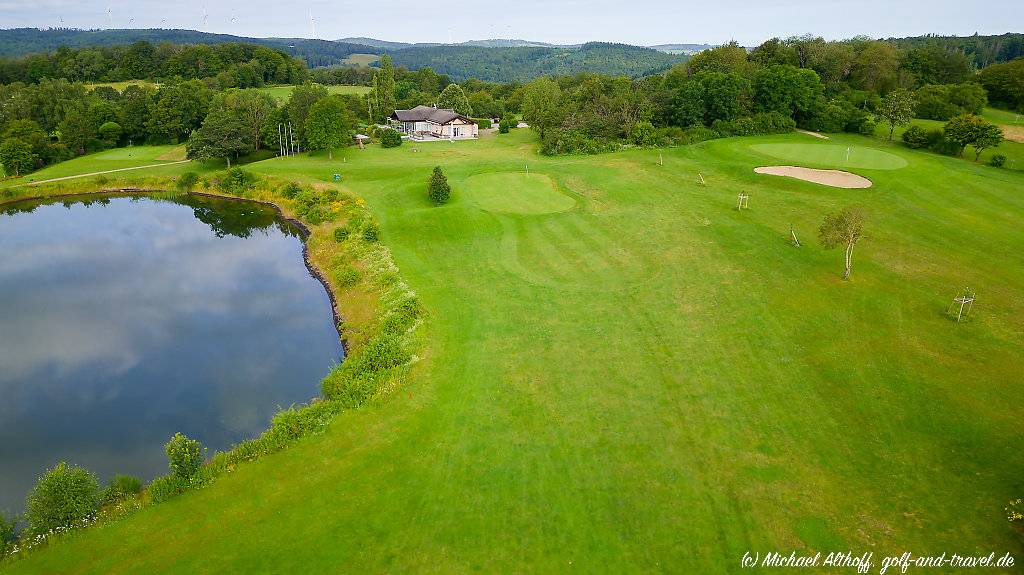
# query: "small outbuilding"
433, 123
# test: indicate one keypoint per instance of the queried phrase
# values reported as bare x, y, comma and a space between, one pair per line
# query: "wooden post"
792, 233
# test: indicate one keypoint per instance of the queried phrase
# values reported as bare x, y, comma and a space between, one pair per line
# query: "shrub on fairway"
184, 456
317, 206
63, 496
918, 137
997, 160
120, 487
390, 138
346, 276
236, 181
505, 125
290, 190
187, 181
371, 233
438, 189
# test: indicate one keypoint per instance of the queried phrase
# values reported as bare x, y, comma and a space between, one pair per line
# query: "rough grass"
649, 382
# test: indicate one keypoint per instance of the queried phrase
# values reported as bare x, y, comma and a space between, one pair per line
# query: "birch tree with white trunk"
844, 228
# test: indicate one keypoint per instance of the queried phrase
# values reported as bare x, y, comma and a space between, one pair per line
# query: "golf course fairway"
624, 373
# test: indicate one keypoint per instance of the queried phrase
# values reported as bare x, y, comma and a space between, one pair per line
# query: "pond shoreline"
302, 227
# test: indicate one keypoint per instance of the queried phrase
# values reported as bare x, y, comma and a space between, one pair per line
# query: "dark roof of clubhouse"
428, 114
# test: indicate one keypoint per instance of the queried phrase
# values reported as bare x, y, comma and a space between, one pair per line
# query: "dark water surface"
125, 320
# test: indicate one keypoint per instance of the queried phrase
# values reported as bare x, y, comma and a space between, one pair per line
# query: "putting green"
517, 193
833, 155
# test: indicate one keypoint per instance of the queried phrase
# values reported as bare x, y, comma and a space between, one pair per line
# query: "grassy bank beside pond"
626, 374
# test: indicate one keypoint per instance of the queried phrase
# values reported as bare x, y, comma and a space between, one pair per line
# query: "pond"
126, 319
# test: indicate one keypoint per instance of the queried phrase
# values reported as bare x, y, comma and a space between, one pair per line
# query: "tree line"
226, 65
802, 82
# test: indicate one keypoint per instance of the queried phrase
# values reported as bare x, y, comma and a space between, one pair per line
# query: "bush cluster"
290, 190
346, 275
187, 181
236, 181
64, 496
572, 142
120, 488
390, 138
483, 123
184, 456
934, 139
318, 206
7, 535
505, 125
997, 161
757, 125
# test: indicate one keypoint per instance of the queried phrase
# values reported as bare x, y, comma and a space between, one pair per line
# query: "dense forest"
524, 63
230, 64
25, 41
490, 60
981, 51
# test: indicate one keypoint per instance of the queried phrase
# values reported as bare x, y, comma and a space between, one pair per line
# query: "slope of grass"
113, 159
647, 381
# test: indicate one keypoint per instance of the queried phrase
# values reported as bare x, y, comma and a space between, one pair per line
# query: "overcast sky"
557, 21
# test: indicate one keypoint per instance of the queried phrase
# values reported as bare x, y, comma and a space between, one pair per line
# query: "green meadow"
626, 374
282, 93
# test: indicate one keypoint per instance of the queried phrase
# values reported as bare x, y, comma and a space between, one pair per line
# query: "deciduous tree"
254, 107
328, 125
222, 135
897, 108
843, 228
453, 97
16, 157
542, 105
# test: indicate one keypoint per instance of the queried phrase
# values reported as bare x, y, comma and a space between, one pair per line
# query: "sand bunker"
835, 178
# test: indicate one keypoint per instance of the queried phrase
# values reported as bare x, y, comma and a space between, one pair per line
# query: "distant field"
120, 86
281, 93
361, 60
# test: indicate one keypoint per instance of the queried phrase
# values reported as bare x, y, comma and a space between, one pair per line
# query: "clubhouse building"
432, 123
